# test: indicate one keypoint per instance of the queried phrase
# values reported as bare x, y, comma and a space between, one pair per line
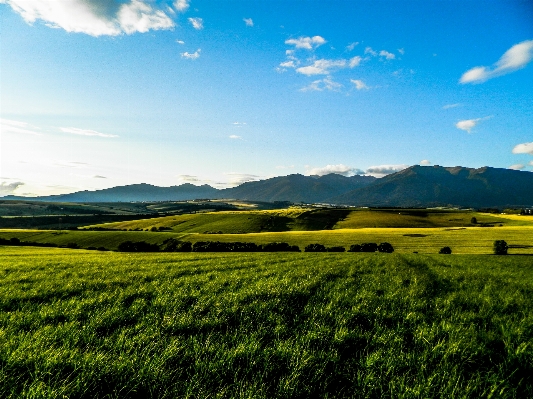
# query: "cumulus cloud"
383, 170
197, 23
339, 169
85, 132
191, 56
95, 18
517, 166
524, 148
249, 22
308, 43
517, 57
387, 55
9, 126
425, 162
355, 61
9, 188
181, 5
321, 67
468, 124
323, 84
359, 84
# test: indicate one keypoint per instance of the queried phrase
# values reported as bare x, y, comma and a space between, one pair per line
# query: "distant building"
527, 211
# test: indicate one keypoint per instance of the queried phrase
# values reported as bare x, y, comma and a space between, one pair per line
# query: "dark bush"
173, 245
473, 220
445, 250
500, 247
279, 247
72, 245
355, 248
385, 247
315, 248
154, 228
335, 249
369, 247
101, 249
14, 241
91, 248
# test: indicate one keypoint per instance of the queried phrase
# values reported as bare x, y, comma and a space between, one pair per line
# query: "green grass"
104, 324
471, 240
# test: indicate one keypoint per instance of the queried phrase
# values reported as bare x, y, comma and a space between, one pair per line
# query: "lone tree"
500, 247
473, 220
445, 250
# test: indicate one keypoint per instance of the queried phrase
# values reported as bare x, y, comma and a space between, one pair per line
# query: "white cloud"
517, 57
95, 18
448, 106
235, 137
189, 178
307, 43
288, 64
85, 132
383, 170
239, 123
359, 84
351, 46
524, 148
339, 169
368, 50
468, 124
236, 179
530, 163
321, 67
248, 22
181, 5
387, 55
401, 51
425, 162
517, 166
197, 23
9, 126
355, 61
180, 42
191, 56
99, 177
9, 188
323, 84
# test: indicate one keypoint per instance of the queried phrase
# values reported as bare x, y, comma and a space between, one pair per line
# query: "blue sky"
101, 93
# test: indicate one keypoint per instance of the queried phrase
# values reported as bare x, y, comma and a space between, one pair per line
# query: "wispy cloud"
401, 51
180, 42
191, 56
9, 188
368, 50
235, 137
69, 164
236, 179
189, 178
95, 18
524, 148
359, 84
339, 169
448, 106
249, 22
355, 61
351, 46
387, 55
197, 23
383, 170
517, 57
517, 166
99, 177
9, 126
85, 132
323, 84
321, 67
308, 43
468, 124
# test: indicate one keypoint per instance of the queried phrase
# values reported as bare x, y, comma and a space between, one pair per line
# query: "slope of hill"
297, 188
424, 186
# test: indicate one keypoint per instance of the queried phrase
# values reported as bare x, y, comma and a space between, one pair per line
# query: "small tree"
355, 248
445, 250
500, 247
385, 247
473, 220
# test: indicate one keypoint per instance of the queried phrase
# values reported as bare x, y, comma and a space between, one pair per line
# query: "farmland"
94, 324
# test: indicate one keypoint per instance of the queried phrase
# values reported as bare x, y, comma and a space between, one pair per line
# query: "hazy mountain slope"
440, 186
297, 188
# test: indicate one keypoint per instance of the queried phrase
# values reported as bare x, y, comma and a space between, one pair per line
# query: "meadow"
77, 323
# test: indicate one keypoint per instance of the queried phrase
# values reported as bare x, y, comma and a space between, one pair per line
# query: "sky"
103, 93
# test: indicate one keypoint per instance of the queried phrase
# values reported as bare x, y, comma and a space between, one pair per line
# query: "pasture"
79, 323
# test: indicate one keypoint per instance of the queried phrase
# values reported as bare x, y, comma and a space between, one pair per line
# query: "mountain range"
416, 186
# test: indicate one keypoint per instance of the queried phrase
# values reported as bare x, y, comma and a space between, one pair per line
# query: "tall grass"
85, 324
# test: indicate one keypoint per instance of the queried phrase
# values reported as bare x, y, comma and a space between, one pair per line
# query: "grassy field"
296, 325
470, 240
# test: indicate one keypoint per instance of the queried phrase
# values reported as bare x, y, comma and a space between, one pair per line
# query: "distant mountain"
134, 192
426, 186
297, 188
